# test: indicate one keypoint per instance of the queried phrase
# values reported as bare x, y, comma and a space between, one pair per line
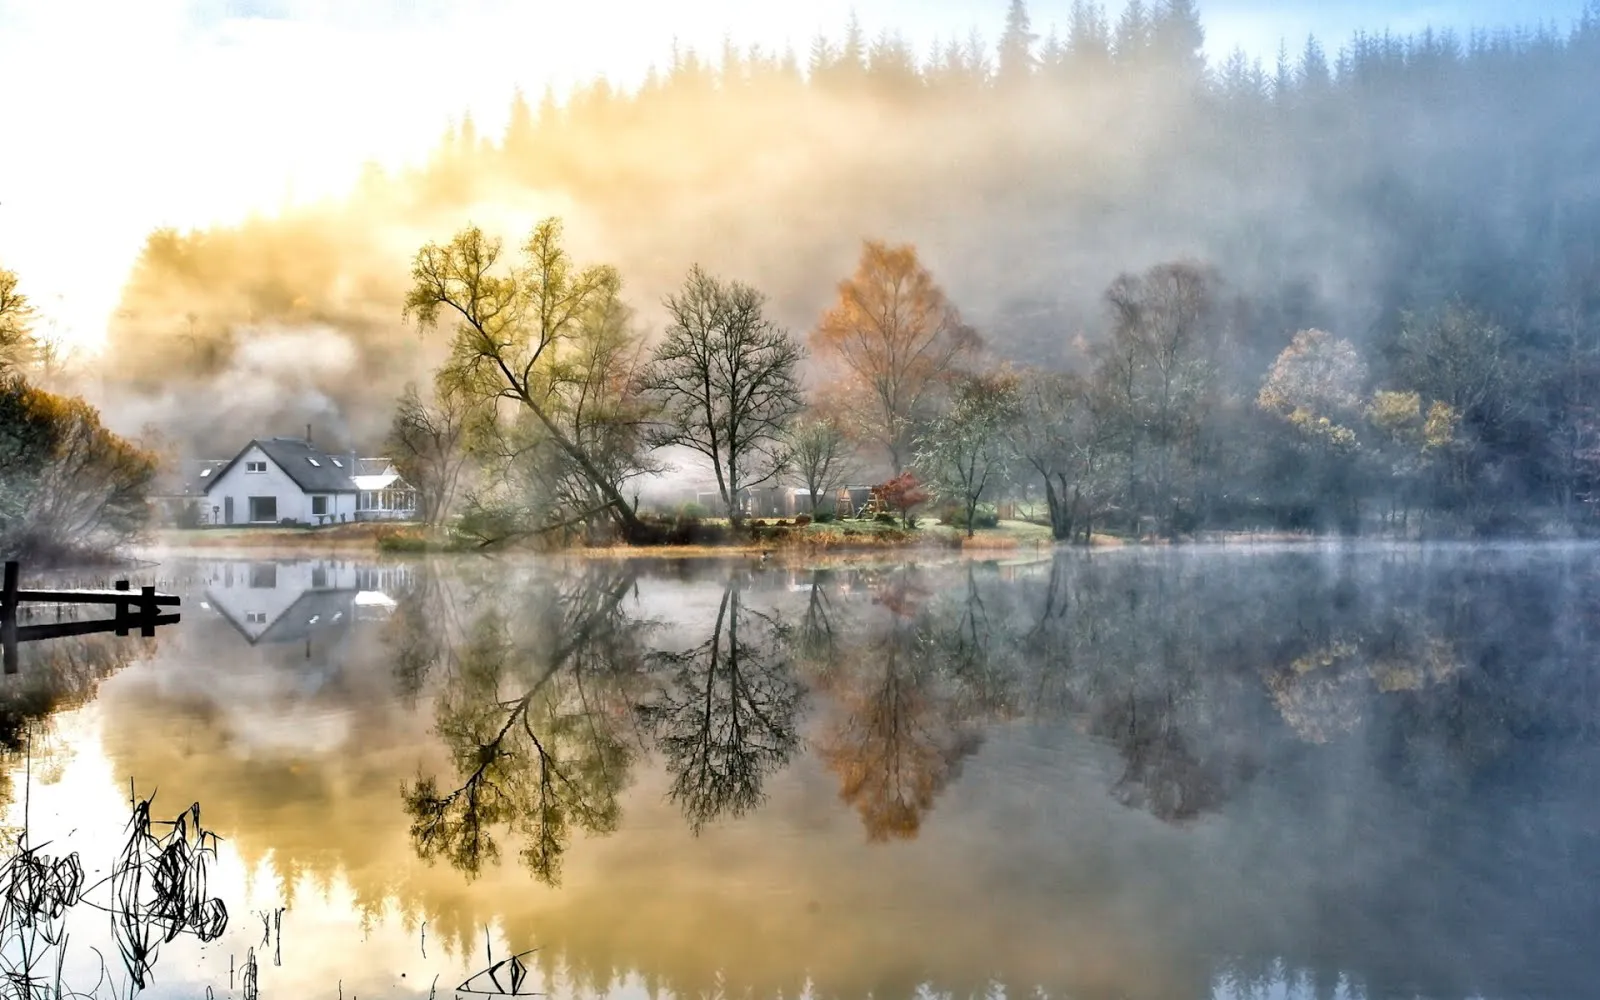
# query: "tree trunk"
1054, 505
632, 527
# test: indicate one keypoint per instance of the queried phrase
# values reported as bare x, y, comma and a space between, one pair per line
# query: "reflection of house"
289, 480
280, 602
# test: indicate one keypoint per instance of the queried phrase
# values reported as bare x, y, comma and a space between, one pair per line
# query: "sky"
125, 116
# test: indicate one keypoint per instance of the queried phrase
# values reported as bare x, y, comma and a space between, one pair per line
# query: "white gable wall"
293, 503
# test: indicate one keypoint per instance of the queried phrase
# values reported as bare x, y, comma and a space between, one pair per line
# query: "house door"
227, 510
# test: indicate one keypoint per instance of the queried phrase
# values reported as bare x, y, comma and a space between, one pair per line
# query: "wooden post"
8, 618
122, 610
147, 611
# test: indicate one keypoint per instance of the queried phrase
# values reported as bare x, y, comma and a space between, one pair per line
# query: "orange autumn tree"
893, 337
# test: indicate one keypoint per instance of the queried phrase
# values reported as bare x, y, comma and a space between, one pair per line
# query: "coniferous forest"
1353, 288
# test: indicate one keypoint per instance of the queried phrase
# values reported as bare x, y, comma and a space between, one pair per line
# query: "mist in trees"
550, 344
727, 384
68, 486
894, 337
1422, 197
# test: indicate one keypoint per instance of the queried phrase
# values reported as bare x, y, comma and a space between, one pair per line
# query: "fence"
141, 610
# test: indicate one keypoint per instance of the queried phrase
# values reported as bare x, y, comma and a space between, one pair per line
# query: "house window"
319, 506
336, 463
255, 467
263, 508
264, 576
313, 461
256, 617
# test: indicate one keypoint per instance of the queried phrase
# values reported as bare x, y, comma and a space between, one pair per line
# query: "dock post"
8, 617
122, 610
147, 611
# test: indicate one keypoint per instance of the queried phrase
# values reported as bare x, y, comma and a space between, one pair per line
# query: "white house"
278, 480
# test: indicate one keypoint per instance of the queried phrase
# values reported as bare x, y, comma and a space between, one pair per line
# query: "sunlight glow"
171, 113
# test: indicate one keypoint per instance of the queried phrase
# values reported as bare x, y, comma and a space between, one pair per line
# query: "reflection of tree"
976, 644
544, 761
814, 637
1163, 773
426, 629
724, 716
901, 725
1322, 693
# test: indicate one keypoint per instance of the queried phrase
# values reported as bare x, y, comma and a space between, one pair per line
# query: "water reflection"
722, 713
1360, 772
524, 717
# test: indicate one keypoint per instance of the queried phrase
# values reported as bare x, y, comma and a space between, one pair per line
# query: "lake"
1319, 772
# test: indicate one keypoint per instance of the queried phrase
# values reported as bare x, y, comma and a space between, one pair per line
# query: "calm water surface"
1342, 772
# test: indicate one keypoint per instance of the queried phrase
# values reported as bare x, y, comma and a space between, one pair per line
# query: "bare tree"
966, 454
727, 378
1160, 363
518, 333
1059, 436
821, 454
428, 445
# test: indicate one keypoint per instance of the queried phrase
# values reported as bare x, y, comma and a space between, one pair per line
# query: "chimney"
308, 435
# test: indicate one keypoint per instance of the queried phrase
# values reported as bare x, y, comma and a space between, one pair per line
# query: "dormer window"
255, 467
313, 461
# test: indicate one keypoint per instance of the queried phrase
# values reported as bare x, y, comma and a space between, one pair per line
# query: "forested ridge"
1432, 201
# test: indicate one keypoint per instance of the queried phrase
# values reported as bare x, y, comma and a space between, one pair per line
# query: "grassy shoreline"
844, 539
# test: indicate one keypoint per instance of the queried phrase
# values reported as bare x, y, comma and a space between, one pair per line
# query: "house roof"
189, 479
312, 611
311, 469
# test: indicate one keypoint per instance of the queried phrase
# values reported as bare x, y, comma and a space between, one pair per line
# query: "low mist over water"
1358, 771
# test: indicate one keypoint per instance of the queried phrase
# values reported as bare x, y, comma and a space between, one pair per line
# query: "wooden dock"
139, 609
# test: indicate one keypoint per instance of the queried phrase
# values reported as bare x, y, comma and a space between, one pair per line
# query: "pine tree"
1283, 79
731, 74
1053, 54
977, 58
549, 110
1133, 34
1089, 37
519, 138
822, 59
1314, 75
1179, 39
853, 54
1016, 59
789, 65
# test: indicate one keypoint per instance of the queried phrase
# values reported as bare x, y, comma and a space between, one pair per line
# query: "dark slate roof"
313, 611
189, 479
312, 469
